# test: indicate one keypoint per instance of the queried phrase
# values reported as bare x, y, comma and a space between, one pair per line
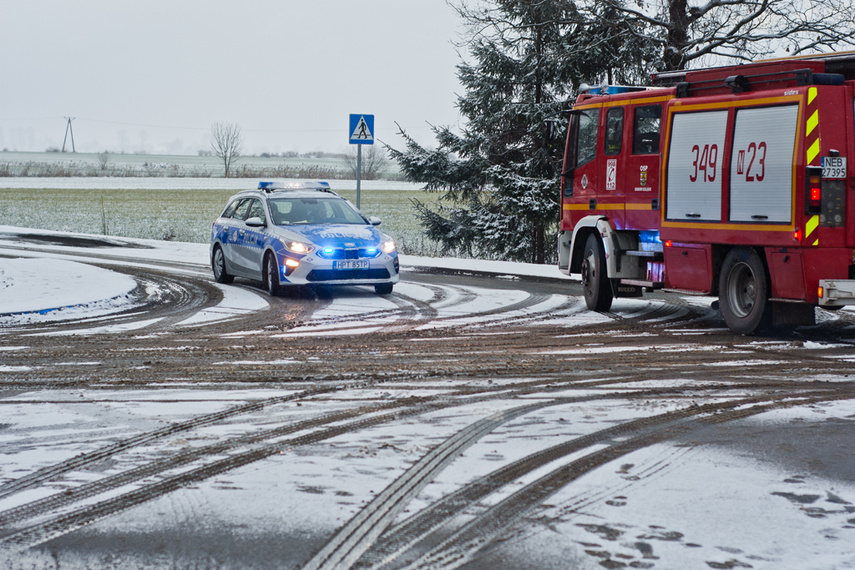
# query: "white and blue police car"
300, 233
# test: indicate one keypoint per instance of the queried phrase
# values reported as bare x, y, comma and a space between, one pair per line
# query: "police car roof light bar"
271, 185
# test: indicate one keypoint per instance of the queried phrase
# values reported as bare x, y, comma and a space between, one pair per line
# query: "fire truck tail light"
797, 234
815, 194
813, 201
819, 292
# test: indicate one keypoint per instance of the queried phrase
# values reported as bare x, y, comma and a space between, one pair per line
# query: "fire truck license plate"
834, 167
361, 264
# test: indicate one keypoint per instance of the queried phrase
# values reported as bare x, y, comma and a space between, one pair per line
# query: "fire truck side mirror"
570, 149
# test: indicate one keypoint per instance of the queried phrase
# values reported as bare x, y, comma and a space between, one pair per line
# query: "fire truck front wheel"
595, 281
744, 291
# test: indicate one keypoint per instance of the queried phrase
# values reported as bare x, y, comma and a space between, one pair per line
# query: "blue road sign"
361, 129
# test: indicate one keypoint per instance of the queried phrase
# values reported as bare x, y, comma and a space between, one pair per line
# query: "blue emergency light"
609, 89
293, 185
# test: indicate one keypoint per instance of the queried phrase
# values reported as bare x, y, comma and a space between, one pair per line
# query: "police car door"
233, 230
250, 245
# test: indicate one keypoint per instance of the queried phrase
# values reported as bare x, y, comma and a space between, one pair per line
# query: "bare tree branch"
227, 143
737, 29
373, 161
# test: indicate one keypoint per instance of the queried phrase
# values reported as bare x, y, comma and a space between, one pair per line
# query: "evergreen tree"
499, 176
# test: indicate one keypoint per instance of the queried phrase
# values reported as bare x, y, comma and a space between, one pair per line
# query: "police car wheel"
383, 288
218, 264
744, 291
271, 274
595, 282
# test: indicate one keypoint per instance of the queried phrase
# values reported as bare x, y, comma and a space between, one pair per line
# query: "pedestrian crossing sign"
361, 129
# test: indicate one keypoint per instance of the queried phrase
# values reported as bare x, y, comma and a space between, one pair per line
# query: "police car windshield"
289, 211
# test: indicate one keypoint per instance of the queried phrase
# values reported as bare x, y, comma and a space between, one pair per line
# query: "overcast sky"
154, 75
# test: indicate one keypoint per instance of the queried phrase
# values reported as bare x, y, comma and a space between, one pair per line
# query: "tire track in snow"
464, 544
260, 448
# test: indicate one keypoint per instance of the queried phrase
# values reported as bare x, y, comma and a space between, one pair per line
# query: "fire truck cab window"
614, 131
586, 145
645, 130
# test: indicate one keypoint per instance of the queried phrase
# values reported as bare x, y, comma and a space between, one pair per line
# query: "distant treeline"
168, 170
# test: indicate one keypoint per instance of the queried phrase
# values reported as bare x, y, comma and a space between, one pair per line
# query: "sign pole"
361, 132
358, 173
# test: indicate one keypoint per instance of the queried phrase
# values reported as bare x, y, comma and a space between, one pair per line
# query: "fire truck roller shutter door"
695, 157
761, 168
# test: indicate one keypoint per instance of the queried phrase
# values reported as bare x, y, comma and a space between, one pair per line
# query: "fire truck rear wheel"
595, 282
744, 291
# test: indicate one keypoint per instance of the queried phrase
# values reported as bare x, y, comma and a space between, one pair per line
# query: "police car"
300, 233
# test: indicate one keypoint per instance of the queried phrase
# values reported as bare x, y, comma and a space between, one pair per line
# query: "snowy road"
479, 417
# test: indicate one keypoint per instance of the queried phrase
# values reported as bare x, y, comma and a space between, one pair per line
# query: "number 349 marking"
706, 160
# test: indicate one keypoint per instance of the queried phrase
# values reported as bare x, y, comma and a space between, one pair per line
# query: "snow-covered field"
182, 209
147, 183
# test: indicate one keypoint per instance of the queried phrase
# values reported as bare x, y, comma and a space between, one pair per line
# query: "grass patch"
184, 214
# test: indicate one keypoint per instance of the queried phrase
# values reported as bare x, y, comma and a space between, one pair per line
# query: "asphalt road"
464, 421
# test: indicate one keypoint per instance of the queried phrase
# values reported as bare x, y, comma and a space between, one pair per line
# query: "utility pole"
68, 129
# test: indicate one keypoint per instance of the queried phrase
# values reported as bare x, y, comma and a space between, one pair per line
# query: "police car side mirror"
374, 220
255, 222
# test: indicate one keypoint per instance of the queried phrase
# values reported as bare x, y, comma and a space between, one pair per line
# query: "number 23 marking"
755, 150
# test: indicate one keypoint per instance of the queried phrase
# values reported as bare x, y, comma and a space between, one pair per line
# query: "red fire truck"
730, 181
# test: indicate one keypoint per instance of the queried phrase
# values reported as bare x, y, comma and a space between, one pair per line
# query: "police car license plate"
351, 264
834, 167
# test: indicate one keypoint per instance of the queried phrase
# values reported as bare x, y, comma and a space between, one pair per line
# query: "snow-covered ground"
47, 285
43, 288
709, 499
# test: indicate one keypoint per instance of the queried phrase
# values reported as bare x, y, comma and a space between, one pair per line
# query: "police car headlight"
388, 247
298, 247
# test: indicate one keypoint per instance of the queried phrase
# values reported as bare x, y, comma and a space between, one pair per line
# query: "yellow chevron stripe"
811, 225
813, 151
812, 122
811, 95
